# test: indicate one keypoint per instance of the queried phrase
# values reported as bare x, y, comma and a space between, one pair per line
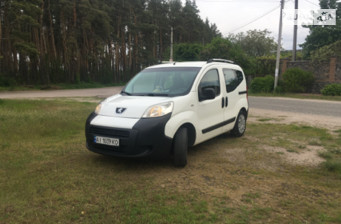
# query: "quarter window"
232, 79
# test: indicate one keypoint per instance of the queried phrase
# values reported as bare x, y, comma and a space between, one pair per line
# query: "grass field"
48, 176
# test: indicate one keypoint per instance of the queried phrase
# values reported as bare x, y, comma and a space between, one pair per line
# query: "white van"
166, 108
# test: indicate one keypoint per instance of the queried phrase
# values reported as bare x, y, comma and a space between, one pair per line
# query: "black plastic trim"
206, 130
145, 139
242, 92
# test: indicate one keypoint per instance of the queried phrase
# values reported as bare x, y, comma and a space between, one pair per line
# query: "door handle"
224, 102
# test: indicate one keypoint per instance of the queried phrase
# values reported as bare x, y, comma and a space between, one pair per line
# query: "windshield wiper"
157, 94
144, 94
126, 93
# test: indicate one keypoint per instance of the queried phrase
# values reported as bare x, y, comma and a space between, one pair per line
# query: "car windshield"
168, 81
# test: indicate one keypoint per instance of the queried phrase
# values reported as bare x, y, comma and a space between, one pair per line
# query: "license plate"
107, 141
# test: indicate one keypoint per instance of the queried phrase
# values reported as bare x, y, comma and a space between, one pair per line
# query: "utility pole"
295, 32
279, 45
171, 47
1, 5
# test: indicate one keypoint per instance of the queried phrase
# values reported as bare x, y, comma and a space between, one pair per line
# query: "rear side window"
232, 79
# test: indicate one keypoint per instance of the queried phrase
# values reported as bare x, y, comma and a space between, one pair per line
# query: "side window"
232, 79
210, 80
240, 76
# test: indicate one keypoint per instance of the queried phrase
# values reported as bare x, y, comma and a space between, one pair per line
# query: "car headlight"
98, 108
159, 110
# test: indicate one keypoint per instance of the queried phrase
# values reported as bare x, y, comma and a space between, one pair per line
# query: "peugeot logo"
120, 110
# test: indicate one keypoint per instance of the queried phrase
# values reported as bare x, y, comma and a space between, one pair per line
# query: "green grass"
333, 155
48, 176
265, 119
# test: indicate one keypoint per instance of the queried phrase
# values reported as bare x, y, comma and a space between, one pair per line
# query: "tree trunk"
136, 47
111, 58
65, 61
53, 43
35, 64
130, 63
161, 46
0, 39
123, 54
23, 71
117, 51
75, 14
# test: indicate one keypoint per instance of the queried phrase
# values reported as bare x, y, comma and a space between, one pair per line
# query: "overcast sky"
234, 16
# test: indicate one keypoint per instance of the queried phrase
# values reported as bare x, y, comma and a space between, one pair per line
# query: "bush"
333, 165
332, 90
7, 82
297, 80
262, 84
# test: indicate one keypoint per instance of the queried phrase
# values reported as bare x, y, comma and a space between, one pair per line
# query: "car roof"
198, 64
181, 64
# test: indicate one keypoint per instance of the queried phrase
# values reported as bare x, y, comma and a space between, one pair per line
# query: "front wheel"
240, 125
180, 147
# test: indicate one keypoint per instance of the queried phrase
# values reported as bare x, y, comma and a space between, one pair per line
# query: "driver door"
209, 111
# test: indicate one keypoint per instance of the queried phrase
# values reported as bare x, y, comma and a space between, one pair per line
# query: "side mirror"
208, 94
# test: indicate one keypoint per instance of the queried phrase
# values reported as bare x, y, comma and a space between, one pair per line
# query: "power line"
256, 19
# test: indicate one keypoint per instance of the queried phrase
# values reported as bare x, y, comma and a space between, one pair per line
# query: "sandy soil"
328, 122
309, 156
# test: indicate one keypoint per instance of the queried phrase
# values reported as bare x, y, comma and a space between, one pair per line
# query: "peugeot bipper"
167, 108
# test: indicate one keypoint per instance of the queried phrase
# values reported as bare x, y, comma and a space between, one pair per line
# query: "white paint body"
187, 109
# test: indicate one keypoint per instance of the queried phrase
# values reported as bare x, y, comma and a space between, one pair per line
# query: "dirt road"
317, 107
317, 113
96, 92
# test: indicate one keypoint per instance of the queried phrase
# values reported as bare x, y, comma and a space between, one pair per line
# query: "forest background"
44, 42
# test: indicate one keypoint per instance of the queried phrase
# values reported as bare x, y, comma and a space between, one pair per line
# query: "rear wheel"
240, 125
180, 147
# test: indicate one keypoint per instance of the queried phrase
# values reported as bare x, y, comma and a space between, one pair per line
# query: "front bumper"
145, 139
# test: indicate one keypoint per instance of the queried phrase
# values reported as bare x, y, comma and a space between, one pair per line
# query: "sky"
234, 16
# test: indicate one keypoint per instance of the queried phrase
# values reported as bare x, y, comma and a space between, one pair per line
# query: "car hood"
129, 106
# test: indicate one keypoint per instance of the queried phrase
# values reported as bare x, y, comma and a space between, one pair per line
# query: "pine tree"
51, 41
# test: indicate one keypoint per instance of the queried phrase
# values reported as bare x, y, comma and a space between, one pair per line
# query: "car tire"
240, 125
180, 147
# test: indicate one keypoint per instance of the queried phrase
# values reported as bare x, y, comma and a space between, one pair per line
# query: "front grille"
109, 131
